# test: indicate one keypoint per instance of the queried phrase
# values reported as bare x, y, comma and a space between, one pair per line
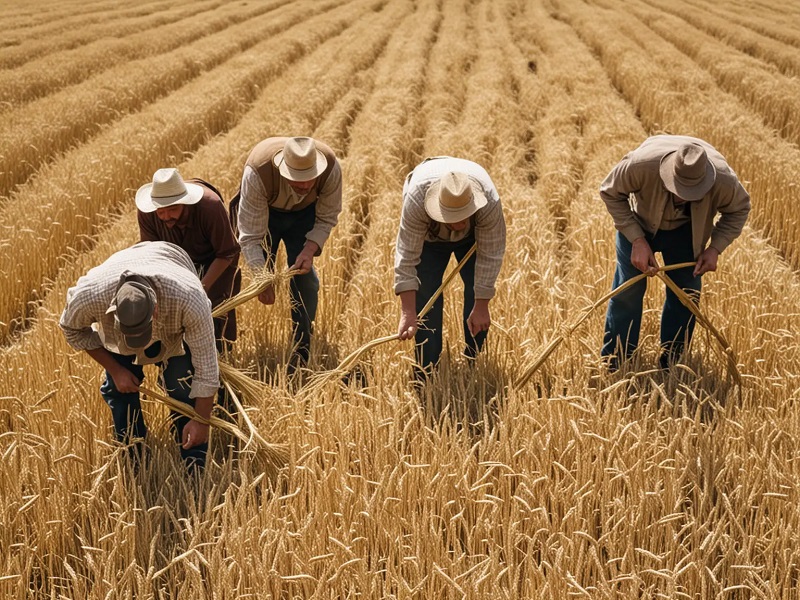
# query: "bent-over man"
145, 305
449, 204
664, 197
292, 192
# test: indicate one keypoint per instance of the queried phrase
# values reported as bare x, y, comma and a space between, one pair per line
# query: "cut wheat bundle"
351, 360
272, 456
252, 390
259, 282
682, 296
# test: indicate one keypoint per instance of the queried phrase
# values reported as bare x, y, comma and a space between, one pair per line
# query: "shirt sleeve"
147, 230
490, 236
414, 223
253, 219
199, 336
619, 184
76, 322
219, 231
329, 205
733, 216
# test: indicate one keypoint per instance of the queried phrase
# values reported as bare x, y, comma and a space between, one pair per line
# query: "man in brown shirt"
664, 197
292, 192
192, 215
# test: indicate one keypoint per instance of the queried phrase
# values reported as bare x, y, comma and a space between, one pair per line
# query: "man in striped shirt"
449, 204
146, 305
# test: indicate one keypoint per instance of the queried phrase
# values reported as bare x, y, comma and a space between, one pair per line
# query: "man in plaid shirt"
146, 305
449, 204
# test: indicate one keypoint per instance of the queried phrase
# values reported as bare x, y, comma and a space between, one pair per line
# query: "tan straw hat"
454, 197
167, 189
687, 172
300, 160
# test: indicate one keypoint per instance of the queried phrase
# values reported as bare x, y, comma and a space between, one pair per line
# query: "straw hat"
133, 308
687, 172
167, 189
300, 160
454, 197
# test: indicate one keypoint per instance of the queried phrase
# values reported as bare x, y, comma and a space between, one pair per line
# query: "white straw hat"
300, 160
454, 197
167, 189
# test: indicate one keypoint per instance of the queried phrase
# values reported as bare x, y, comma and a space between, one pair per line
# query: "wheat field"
577, 484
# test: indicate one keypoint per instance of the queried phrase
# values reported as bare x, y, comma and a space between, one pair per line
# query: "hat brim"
442, 214
139, 340
146, 203
684, 192
298, 174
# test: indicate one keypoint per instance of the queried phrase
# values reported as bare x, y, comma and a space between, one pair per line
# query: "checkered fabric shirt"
416, 227
183, 310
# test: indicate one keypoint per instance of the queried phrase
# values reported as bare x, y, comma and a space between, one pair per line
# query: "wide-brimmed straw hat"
454, 197
687, 172
300, 160
133, 307
167, 189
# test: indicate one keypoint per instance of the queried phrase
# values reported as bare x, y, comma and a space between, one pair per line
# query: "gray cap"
133, 308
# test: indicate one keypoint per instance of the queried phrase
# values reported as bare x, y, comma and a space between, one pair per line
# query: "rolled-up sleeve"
199, 336
733, 216
615, 191
76, 322
490, 237
414, 224
253, 219
329, 205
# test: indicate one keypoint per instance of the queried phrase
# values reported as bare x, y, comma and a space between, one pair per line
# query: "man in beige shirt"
664, 197
292, 192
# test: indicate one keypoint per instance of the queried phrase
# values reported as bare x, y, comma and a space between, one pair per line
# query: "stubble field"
579, 484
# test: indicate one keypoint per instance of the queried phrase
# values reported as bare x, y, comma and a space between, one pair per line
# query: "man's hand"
642, 257
408, 325
707, 261
194, 434
124, 380
267, 296
479, 318
305, 260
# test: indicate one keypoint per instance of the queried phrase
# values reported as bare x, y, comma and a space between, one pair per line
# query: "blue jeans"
291, 227
624, 315
126, 409
430, 271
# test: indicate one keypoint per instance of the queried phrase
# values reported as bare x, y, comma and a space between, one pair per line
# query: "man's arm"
253, 219
615, 191
329, 205
124, 380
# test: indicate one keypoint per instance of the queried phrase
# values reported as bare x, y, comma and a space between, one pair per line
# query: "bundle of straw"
273, 456
253, 390
682, 296
260, 282
319, 380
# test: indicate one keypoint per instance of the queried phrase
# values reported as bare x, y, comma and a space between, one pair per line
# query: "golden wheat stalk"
251, 389
730, 355
550, 348
261, 281
320, 379
275, 456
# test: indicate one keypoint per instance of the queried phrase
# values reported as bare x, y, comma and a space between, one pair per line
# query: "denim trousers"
126, 409
430, 271
624, 314
291, 227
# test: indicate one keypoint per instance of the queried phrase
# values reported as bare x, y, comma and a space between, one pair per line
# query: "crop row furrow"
67, 33
171, 30
36, 132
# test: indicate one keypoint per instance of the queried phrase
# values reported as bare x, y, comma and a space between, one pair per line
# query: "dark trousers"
624, 315
126, 409
430, 271
291, 228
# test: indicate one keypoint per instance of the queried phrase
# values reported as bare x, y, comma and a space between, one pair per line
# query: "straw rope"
346, 365
682, 296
